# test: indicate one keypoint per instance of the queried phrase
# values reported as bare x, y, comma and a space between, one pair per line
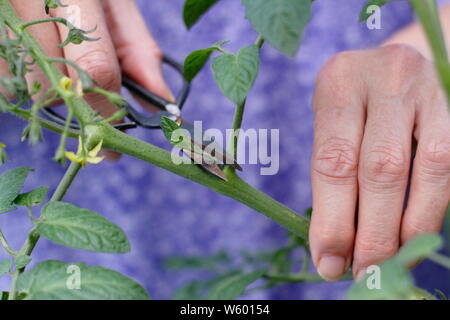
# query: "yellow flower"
66, 84
86, 157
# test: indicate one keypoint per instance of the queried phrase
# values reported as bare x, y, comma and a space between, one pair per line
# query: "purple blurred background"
165, 215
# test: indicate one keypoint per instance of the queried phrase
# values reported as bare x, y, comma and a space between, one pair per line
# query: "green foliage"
195, 62
194, 9
11, 183
50, 280
5, 266
168, 127
52, 4
236, 74
229, 278
396, 282
22, 261
280, 22
364, 15
32, 198
77, 36
74, 227
419, 248
428, 15
197, 262
3, 155
233, 286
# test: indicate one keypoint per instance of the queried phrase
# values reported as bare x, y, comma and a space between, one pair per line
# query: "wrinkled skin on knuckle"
336, 161
434, 161
373, 249
412, 228
102, 67
385, 166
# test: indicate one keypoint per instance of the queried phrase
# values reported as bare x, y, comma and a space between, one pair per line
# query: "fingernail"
330, 267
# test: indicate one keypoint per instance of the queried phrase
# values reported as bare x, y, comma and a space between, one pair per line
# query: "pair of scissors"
171, 110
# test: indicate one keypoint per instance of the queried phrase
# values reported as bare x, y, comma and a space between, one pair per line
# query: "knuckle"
402, 56
386, 163
339, 80
375, 247
336, 161
414, 228
434, 161
400, 66
101, 66
333, 238
338, 66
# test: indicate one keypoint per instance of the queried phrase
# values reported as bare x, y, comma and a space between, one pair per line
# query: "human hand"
368, 107
125, 45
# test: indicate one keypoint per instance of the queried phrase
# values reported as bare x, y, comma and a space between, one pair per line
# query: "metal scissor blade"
147, 121
211, 168
217, 150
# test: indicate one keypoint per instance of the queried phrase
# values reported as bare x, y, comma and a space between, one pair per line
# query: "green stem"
440, 259
235, 188
305, 262
294, 278
25, 25
33, 236
66, 181
239, 116
259, 41
428, 15
236, 126
6, 246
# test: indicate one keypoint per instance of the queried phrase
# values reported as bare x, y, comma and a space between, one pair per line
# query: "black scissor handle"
137, 118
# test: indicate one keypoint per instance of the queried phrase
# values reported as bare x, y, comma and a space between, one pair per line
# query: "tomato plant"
280, 23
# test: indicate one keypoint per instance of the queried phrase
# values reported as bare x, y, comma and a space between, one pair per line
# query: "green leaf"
195, 61
52, 4
5, 266
308, 213
78, 228
236, 74
395, 284
364, 15
280, 22
168, 126
190, 291
51, 280
197, 262
22, 261
32, 198
5, 295
195, 290
395, 280
10, 185
419, 248
194, 9
233, 286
